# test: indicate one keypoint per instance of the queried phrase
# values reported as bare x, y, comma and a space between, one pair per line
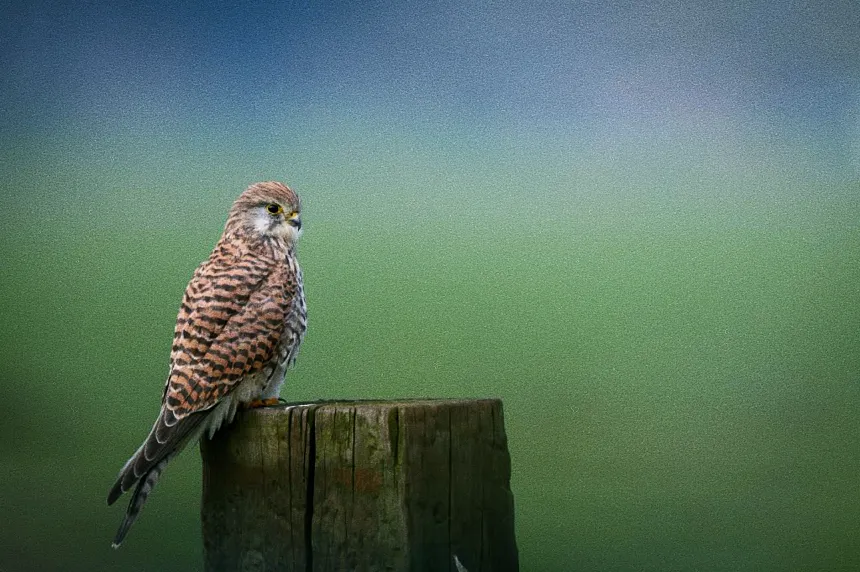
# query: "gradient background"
637, 224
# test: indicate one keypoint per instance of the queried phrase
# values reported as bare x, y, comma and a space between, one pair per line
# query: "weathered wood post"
367, 485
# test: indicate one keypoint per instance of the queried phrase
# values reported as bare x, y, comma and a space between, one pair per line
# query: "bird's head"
268, 210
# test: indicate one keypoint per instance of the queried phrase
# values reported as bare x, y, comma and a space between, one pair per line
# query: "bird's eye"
274, 209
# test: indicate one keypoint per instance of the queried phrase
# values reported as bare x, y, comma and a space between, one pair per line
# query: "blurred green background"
639, 226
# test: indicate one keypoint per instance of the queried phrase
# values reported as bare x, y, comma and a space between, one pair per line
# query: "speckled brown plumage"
240, 324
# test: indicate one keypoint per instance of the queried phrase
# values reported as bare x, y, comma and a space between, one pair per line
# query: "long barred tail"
141, 492
168, 437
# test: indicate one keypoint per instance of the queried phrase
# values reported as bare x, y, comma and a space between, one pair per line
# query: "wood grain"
367, 485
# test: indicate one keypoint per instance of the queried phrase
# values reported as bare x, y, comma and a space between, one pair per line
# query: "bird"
241, 321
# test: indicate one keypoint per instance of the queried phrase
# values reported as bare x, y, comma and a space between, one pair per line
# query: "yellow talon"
262, 403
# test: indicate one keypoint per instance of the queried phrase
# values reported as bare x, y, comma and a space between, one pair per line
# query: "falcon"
240, 324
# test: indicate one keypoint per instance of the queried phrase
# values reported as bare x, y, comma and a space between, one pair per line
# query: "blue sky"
795, 64
749, 99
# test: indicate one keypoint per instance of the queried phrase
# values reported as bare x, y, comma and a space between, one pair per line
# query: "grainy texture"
239, 328
402, 486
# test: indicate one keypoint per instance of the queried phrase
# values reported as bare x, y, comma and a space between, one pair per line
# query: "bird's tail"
141, 492
167, 438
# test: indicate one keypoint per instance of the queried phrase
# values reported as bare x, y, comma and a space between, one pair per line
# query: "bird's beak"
295, 220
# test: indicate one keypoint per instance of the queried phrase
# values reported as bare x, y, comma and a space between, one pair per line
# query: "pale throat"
267, 225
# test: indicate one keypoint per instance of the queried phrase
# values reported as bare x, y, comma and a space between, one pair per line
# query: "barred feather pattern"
240, 325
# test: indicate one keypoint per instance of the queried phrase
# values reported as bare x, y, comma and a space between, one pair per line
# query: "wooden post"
368, 485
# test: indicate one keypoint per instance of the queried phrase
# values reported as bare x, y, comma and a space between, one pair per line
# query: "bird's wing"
229, 326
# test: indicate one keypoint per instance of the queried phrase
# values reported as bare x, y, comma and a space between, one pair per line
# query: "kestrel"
239, 328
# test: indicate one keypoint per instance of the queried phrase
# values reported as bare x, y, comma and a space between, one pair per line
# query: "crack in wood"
309, 498
399, 486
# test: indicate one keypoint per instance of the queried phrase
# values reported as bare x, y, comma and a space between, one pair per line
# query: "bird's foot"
257, 403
